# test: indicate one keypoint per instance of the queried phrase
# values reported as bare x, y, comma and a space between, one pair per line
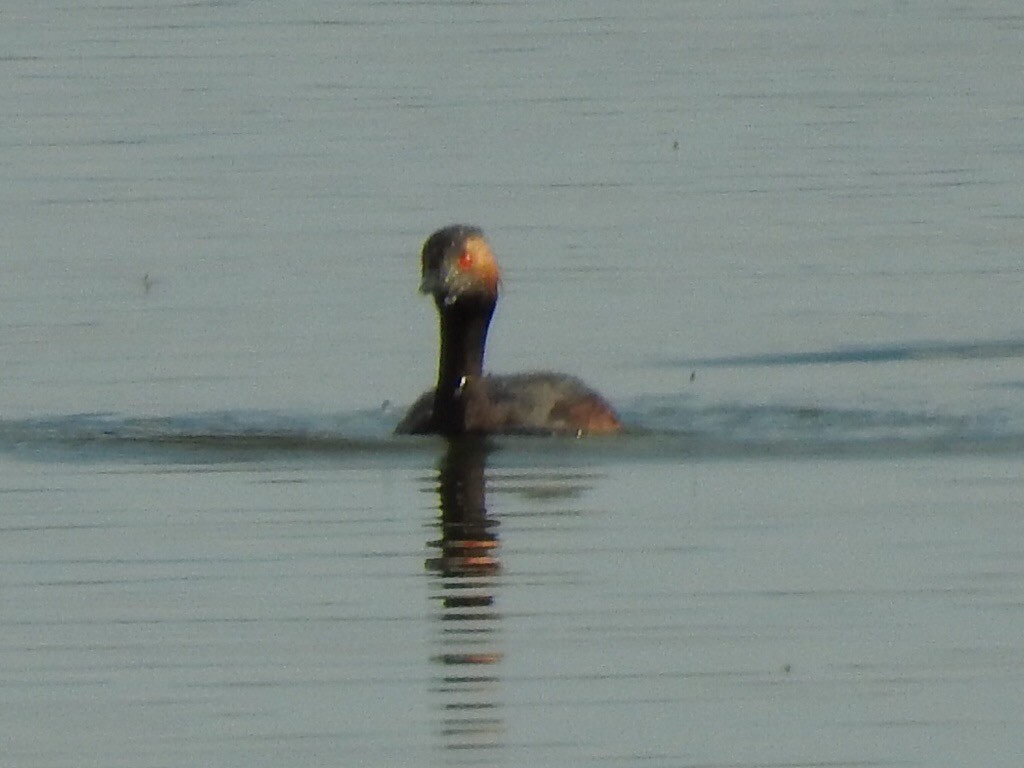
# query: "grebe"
461, 273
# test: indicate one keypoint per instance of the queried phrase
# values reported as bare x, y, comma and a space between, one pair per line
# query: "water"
783, 238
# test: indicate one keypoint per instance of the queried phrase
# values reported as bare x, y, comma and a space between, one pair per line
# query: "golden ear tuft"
477, 257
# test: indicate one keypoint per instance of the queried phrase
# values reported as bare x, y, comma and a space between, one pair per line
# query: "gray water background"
784, 238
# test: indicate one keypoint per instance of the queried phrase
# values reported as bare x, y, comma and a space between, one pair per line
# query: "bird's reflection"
466, 567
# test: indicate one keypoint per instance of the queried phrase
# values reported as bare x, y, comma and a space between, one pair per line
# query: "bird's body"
539, 403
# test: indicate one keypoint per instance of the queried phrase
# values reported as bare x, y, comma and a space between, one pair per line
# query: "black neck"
464, 326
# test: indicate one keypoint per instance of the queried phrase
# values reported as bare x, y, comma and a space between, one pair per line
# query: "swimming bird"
460, 271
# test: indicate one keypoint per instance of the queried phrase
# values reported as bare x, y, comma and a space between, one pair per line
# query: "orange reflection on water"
466, 568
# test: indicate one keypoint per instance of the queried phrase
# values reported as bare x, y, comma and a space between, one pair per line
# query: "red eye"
465, 261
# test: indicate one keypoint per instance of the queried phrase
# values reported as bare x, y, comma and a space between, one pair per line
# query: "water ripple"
665, 427
943, 350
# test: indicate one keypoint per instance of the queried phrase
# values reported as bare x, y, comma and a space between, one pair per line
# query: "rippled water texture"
783, 238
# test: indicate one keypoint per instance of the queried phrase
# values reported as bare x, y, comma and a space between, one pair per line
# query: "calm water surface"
784, 239
319, 612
